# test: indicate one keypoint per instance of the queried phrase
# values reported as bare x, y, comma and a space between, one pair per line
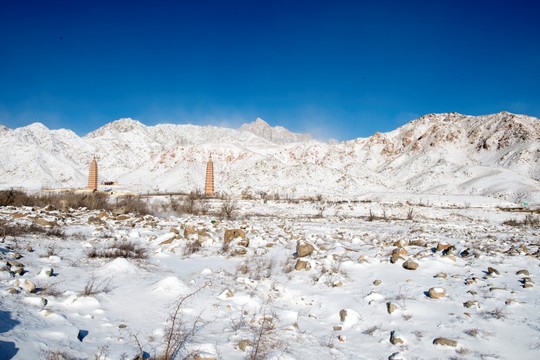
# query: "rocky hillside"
493, 155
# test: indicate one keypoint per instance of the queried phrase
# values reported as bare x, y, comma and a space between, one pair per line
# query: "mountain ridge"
493, 155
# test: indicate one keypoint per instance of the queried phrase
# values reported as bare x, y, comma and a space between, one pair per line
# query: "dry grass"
8, 228
94, 286
119, 249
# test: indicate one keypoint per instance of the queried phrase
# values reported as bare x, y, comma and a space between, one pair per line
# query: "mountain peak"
277, 134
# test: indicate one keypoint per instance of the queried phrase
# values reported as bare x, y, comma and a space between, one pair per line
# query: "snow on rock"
171, 286
119, 265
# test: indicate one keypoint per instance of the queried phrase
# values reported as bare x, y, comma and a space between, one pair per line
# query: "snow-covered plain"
337, 309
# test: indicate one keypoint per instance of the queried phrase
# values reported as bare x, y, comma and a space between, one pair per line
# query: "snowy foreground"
354, 300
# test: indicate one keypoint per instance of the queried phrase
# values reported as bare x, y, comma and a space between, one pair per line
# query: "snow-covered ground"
250, 293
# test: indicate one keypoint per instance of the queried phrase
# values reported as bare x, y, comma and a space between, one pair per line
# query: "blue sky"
341, 69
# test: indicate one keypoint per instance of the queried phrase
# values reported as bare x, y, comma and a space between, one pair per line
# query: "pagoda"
209, 188
93, 175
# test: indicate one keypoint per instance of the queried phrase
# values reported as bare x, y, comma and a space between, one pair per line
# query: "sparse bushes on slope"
119, 249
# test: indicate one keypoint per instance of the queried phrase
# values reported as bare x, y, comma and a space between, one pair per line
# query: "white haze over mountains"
438, 154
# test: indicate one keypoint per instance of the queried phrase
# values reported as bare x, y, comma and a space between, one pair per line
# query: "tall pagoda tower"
93, 175
209, 188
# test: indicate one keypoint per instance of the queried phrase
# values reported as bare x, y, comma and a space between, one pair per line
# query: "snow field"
337, 309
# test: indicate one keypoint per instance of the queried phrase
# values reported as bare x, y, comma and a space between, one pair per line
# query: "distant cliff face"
493, 155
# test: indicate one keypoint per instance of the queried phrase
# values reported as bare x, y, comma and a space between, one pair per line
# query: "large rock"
302, 265
395, 339
46, 223
436, 292
410, 265
26, 285
304, 249
242, 345
232, 234
390, 307
445, 342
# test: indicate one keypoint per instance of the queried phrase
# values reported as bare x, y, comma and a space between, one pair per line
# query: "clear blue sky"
342, 69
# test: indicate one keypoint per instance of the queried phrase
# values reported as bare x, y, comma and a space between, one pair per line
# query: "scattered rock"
397, 255
390, 307
377, 282
471, 303
29, 248
190, 230
444, 247
337, 284
175, 230
496, 288
240, 250
396, 356
445, 342
523, 272
242, 345
16, 255
303, 250
343, 315
441, 275
104, 215
26, 285
232, 234
46, 223
204, 356
401, 243
436, 292
395, 339
47, 271
410, 265
337, 328
14, 263
492, 271
119, 211
12, 291
302, 265
227, 293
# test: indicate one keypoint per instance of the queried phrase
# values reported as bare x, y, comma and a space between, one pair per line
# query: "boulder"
242, 345
445, 342
302, 265
26, 285
390, 307
436, 292
410, 265
231, 234
492, 271
46, 223
304, 249
395, 339
343, 315
189, 230
523, 272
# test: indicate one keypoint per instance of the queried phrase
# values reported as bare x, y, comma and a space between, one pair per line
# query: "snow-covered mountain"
493, 155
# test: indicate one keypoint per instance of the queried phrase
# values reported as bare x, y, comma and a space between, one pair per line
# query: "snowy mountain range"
493, 155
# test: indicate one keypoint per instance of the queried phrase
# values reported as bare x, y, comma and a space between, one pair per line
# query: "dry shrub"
228, 209
94, 286
119, 249
8, 228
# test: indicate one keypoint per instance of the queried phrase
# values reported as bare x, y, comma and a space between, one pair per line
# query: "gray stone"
390, 307
343, 315
410, 265
303, 250
445, 342
436, 292
242, 345
302, 265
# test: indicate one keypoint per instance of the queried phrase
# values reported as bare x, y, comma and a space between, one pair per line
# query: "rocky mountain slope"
493, 155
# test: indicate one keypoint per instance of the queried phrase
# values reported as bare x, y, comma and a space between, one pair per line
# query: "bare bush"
8, 228
94, 286
119, 249
178, 334
228, 209
529, 220
410, 214
192, 247
372, 329
56, 354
